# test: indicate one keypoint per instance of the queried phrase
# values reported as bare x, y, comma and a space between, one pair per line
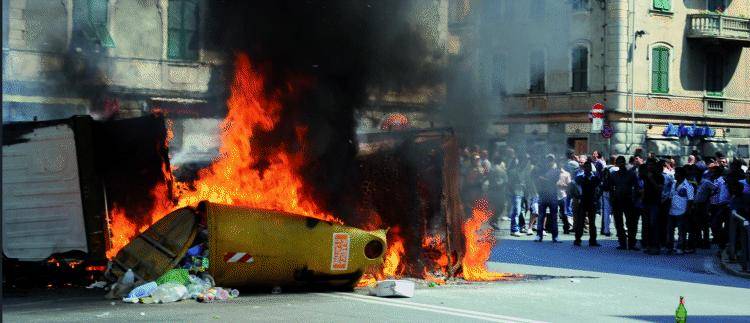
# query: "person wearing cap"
548, 176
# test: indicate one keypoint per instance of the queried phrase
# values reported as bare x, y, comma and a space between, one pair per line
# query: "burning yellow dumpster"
255, 247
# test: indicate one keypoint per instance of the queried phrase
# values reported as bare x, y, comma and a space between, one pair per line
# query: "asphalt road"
565, 284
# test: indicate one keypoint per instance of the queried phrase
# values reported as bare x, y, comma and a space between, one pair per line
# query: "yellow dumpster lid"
160, 248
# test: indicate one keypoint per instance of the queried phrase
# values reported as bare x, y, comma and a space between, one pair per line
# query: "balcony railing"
713, 26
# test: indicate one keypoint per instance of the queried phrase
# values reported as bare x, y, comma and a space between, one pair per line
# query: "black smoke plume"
347, 48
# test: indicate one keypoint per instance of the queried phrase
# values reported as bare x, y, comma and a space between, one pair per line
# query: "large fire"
233, 178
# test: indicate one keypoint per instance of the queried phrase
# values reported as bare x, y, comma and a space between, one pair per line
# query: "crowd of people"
653, 196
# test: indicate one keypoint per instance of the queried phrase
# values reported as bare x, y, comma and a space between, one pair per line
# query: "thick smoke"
344, 49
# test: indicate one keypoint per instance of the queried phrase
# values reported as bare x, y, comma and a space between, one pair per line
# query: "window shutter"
655, 69
665, 69
660, 70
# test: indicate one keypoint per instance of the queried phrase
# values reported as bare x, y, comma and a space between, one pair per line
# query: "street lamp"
639, 33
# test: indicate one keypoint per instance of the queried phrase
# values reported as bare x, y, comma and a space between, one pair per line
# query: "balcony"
719, 28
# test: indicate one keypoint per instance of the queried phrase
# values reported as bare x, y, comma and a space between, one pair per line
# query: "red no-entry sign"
597, 111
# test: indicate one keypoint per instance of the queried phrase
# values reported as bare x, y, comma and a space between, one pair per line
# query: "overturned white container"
393, 288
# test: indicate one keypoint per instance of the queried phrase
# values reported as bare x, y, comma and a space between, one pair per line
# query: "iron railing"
739, 239
718, 26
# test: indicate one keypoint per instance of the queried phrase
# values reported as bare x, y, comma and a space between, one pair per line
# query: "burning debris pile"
288, 141
406, 182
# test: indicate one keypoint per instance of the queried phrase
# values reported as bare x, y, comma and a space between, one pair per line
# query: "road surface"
565, 284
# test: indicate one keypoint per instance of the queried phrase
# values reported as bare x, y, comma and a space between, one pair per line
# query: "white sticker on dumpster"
340, 253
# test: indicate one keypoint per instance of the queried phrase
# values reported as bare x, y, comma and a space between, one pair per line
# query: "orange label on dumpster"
340, 254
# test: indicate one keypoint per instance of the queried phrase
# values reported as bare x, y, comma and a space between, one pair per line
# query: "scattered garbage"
143, 314
139, 292
198, 285
276, 290
121, 288
393, 288
129, 277
217, 294
97, 284
573, 280
177, 276
168, 293
103, 315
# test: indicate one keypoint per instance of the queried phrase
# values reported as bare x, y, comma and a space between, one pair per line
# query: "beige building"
539, 66
68, 57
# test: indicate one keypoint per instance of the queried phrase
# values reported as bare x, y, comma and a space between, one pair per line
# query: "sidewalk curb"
723, 260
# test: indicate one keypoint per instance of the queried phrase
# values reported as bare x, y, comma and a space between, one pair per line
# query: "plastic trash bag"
178, 276
169, 292
142, 291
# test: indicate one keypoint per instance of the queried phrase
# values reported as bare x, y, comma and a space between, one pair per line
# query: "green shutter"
663, 5
90, 19
182, 41
660, 70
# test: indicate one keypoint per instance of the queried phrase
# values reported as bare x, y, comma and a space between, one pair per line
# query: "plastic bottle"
129, 277
680, 315
222, 294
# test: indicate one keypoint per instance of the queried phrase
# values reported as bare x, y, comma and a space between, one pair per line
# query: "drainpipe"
631, 33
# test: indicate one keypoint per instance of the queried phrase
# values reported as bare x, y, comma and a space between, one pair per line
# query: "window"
714, 74
183, 29
90, 22
579, 69
536, 8
497, 75
715, 5
536, 72
660, 70
715, 106
663, 5
579, 5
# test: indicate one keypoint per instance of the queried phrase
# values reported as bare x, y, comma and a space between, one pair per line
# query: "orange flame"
479, 243
392, 265
122, 231
436, 251
234, 178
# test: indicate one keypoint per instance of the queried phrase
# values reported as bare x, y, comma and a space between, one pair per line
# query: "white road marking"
428, 308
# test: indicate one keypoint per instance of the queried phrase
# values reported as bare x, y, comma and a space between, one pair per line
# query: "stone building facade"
540, 65
62, 58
